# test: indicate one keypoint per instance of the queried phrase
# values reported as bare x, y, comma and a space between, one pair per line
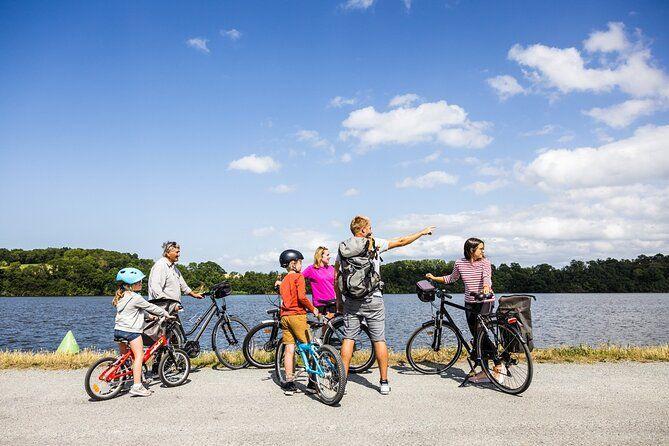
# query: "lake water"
36, 323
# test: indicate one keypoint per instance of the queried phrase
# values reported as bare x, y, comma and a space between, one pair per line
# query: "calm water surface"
34, 323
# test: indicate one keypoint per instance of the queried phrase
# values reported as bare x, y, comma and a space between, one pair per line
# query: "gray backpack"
357, 277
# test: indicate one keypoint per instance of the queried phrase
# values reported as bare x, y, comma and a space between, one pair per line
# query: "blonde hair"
122, 288
359, 222
318, 256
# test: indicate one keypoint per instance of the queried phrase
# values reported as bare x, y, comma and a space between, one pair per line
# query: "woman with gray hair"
165, 279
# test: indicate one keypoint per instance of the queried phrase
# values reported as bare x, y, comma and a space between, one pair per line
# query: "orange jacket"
294, 295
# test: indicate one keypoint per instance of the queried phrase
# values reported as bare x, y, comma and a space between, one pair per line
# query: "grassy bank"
577, 354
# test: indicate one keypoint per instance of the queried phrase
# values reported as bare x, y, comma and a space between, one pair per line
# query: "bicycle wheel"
363, 348
227, 341
279, 369
175, 368
421, 352
509, 355
259, 347
101, 389
332, 385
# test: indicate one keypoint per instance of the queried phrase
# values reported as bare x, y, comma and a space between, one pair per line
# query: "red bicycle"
109, 375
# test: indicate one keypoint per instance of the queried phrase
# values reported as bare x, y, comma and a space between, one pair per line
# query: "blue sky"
243, 128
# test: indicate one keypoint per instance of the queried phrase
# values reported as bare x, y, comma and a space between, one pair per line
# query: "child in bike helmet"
476, 273
294, 307
129, 322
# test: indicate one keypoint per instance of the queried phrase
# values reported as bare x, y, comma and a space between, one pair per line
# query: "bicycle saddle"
272, 311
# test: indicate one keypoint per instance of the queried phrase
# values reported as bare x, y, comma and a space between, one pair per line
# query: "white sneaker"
384, 388
139, 390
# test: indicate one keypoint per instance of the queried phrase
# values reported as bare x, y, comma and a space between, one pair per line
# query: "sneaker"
384, 388
139, 390
480, 378
312, 388
289, 388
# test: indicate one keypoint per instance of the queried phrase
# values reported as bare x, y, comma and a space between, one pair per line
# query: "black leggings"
473, 310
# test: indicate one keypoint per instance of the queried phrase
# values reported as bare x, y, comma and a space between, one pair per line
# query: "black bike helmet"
288, 256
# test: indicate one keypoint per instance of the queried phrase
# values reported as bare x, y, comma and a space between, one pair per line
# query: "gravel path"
624, 403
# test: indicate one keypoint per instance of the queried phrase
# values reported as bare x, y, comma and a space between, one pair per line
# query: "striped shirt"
475, 276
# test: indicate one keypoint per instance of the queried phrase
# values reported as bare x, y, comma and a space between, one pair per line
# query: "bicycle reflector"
512, 320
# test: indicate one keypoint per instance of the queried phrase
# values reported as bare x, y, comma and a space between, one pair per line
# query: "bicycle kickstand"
470, 374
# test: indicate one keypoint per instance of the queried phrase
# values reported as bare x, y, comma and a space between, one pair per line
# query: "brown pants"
295, 327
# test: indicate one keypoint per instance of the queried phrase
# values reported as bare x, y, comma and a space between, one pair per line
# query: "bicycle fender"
267, 321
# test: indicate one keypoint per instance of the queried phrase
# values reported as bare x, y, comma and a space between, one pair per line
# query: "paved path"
624, 403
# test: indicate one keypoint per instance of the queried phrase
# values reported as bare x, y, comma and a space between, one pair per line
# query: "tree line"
81, 272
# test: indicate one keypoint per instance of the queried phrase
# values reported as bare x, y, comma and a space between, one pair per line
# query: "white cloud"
283, 189
505, 86
263, 232
545, 130
403, 100
407, 4
611, 40
432, 157
352, 192
358, 4
642, 157
632, 72
255, 164
566, 138
314, 140
623, 114
340, 101
231, 34
429, 122
482, 187
428, 181
198, 44
346, 158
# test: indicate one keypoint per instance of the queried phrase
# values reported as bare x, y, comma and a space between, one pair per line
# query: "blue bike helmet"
129, 275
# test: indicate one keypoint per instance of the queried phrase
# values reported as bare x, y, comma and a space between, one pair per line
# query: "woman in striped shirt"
476, 273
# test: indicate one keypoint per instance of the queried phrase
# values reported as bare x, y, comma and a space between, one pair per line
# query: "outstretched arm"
408, 239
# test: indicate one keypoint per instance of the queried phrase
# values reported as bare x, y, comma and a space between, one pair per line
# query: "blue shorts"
126, 335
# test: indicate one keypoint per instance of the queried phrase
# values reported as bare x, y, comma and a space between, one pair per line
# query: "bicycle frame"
111, 373
204, 320
308, 351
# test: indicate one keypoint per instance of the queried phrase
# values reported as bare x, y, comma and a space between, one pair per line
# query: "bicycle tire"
330, 360
255, 348
364, 360
230, 354
512, 362
180, 364
423, 358
92, 388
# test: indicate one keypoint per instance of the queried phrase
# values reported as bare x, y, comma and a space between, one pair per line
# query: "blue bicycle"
321, 362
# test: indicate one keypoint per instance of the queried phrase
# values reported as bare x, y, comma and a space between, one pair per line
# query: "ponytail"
119, 294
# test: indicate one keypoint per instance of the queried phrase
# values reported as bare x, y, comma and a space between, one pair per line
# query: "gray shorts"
372, 311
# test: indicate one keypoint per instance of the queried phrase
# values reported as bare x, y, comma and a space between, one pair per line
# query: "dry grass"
578, 354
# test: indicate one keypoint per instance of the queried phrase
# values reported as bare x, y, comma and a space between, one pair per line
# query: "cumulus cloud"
346, 158
231, 34
428, 181
429, 122
483, 187
403, 100
198, 44
642, 157
357, 4
340, 101
432, 157
622, 65
352, 192
505, 86
623, 114
283, 189
312, 138
255, 164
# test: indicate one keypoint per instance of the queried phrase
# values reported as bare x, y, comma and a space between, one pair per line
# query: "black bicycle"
262, 341
227, 336
437, 344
